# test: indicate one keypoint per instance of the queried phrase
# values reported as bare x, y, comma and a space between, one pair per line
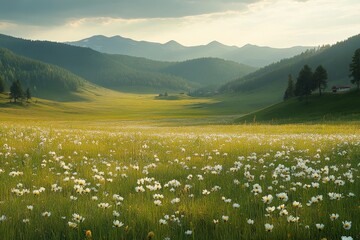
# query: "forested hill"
201, 72
335, 59
209, 71
120, 71
96, 67
42, 79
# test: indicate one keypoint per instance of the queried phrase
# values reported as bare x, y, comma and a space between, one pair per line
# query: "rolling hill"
122, 72
173, 51
201, 72
273, 78
329, 107
95, 67
43, 80
208, 71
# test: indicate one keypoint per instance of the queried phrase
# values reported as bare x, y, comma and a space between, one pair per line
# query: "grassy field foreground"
211, 182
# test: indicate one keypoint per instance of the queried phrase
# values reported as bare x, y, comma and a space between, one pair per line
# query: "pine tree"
320, 78
16, 91
290, 90
304, 84
28, 94
2, 85
355, 68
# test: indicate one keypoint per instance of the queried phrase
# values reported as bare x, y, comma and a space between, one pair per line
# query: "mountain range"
173, 51
260, 87
121, 72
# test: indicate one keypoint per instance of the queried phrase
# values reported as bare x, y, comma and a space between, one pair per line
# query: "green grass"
326, 108
100, 104
112, 140
112, 157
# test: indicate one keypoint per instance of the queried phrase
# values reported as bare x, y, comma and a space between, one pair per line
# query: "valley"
107, 146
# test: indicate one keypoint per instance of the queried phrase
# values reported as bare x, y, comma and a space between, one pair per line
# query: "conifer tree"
16, 91
2, 85
290, 90
355, 69
28, 94
320, 78
304, 84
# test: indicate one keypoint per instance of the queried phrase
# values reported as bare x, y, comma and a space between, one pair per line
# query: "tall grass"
215, 168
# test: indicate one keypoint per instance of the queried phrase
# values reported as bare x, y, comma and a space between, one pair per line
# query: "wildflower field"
205, 182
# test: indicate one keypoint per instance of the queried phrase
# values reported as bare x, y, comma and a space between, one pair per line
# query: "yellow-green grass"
96, 103
102, 104
48, 152
329, 107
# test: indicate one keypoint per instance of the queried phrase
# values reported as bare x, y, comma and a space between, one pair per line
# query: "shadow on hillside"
12, 104
66, 97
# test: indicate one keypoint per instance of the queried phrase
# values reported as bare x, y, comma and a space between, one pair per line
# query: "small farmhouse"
340, 89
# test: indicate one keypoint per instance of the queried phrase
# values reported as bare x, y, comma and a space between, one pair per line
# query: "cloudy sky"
276, 23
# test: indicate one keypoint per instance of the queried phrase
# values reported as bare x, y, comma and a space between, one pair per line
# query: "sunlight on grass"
60, 180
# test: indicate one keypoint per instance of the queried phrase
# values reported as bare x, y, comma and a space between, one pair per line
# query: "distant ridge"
122, 72
173, 51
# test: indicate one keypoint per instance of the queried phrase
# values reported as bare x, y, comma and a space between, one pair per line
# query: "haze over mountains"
259, 88
120, 72
173, 51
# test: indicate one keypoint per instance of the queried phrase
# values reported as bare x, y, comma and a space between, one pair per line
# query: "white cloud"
277, 23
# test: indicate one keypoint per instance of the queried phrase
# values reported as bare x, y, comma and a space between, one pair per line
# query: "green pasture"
114, 158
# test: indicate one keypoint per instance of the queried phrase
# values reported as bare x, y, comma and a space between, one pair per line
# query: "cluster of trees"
307, 82
17, 92
36, 75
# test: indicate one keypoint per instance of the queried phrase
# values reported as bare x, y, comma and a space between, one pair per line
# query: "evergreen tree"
304, 84
28, 94
320, 78
355, 68
2, 85
290, 90
16, 91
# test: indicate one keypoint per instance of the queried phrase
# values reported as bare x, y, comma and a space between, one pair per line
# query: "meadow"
131, 180
110, 165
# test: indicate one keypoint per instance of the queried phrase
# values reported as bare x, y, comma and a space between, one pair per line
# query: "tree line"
16, 91
309, 81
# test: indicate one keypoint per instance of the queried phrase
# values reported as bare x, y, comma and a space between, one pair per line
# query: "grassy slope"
101, 104
98, 104
94, 105
329, 107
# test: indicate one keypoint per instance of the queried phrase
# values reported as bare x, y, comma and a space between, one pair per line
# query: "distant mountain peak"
97, 37
215, 43
248, 45
173, 51
172, 43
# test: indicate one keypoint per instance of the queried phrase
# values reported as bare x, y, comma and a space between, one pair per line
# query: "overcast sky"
276, 23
